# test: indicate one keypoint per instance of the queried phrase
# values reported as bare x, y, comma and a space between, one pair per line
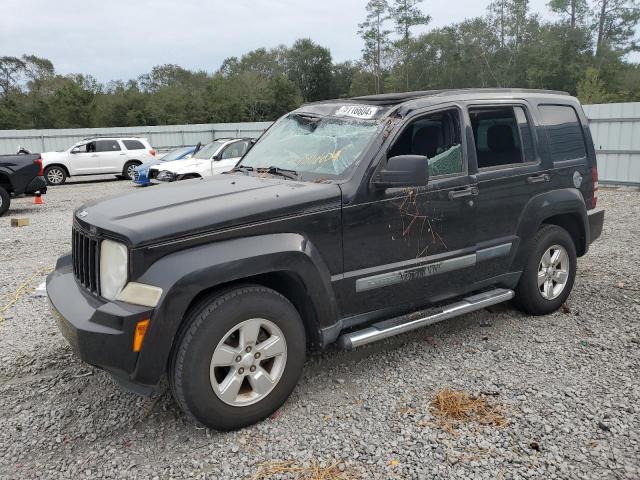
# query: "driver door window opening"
436, 136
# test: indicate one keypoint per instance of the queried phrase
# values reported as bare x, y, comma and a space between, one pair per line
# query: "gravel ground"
568, 383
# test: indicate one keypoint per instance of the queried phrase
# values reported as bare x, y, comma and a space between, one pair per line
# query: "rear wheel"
129, 168
55, 175
239, 357
548, 277
5, 201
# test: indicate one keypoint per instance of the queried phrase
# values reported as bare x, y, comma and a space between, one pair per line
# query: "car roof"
384, 104
479, 93
109, 137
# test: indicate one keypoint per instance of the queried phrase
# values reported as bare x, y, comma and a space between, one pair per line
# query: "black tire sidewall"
190, 368
528, 294
55, 167
6, 201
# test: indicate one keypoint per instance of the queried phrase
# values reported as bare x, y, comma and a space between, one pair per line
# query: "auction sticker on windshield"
357, 111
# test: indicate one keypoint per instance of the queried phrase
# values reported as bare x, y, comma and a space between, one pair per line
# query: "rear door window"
133, 145
502, 136
566, 139
107, 146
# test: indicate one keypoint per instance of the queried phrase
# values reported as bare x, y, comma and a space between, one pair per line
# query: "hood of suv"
191, 207
189, 165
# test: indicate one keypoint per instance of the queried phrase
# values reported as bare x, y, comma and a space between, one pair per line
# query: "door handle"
464, 192
543, 177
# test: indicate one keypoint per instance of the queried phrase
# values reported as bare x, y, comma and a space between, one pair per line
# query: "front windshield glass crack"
313, 146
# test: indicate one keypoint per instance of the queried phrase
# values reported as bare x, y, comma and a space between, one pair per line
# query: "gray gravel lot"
569, 384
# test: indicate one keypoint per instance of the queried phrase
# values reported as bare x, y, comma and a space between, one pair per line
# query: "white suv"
97, 156
216, 157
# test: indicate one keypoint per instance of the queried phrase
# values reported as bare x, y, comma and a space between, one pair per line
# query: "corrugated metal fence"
161, 137
615, 128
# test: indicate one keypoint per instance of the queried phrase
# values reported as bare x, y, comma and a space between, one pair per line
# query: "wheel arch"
61, 165
564, 208
572, 224
189, 176
5, 181
286, 263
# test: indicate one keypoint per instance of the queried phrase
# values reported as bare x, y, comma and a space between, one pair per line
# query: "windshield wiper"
242, 168
283, 172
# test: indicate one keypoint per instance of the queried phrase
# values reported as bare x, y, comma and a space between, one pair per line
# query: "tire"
127, 171
5, 201
55, 175
199, 388
538, 298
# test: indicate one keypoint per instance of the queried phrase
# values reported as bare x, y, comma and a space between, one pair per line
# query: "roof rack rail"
104, 135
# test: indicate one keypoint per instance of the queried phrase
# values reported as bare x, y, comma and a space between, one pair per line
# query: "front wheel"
549, 274
238, 358
5, 201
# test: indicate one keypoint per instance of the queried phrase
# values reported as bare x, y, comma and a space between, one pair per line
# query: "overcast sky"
117, 39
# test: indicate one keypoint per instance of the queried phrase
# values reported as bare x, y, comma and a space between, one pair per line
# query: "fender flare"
185, 274
567, 201
61, 165
5, 172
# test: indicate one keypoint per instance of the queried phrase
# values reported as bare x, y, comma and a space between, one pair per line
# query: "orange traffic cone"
38, 199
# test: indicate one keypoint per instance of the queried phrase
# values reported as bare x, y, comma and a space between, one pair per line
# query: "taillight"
594, 186
152, 152
38, 161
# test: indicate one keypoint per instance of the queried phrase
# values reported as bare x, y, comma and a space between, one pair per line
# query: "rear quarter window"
133, 145
566, 139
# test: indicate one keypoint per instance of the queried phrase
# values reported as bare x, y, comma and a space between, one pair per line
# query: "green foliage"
591, 89
308, 66
583, 51
377, 43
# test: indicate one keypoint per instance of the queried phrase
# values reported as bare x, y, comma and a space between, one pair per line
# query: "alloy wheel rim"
553, 272
54, 176
131, 170
248, 362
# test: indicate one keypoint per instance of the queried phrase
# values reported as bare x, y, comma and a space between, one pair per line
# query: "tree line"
583, 50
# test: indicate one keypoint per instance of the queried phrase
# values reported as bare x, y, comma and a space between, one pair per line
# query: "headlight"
166, 176
113, 268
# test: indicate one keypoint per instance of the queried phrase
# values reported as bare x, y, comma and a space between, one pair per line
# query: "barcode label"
357, 111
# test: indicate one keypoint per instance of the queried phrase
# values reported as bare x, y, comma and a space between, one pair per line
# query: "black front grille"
86, 259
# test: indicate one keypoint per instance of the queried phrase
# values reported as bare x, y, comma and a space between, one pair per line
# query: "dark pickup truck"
349, 221
20, 174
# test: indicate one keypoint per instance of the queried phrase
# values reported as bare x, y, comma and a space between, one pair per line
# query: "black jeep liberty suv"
350, 221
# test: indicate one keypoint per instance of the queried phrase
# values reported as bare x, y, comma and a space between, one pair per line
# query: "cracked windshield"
312, 146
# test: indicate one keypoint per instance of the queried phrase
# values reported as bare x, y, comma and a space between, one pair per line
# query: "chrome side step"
406, 323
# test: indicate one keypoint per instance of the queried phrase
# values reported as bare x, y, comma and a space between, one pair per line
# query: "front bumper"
596, 221
99, 332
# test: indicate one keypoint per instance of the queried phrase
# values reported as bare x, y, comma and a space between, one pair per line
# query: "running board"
406, 323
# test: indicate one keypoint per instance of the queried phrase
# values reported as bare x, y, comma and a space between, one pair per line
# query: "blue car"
141, 173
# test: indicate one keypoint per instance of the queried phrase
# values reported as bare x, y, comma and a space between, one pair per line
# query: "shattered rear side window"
318, 145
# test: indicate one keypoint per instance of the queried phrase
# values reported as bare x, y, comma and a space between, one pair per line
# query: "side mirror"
403, 171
